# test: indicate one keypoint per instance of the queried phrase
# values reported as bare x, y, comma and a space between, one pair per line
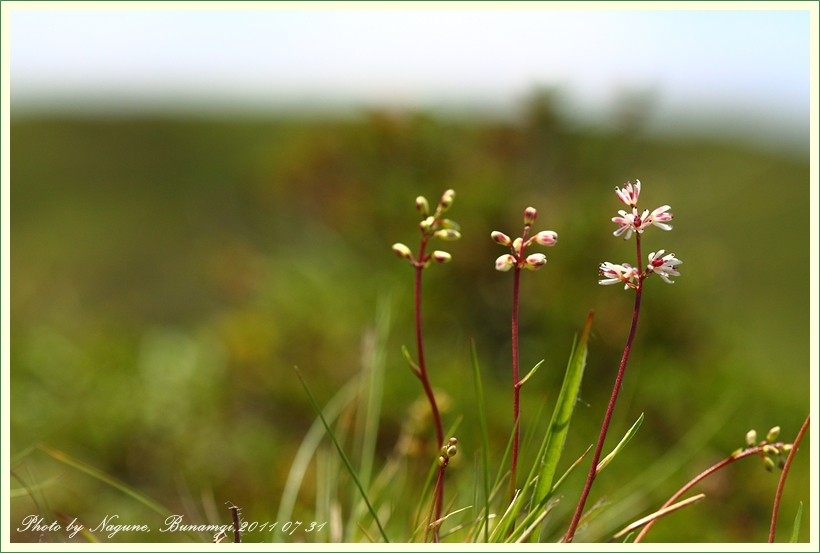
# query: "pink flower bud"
441, 257
501, 238
516, 245
402, 250
535, 261
448, 234
447, 200
504, 263
546, 238
423, 206
529, 215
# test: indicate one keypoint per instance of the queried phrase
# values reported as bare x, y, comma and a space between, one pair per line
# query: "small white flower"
614, 274
535, 261
629, 195
500, 238
631, 222
663, 265
545, 238
504, 263
659, 217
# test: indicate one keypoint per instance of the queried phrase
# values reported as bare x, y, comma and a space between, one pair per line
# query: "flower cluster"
660, 263
517, 259
432, 226
632, 222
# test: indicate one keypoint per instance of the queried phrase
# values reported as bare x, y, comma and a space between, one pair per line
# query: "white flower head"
504, 263
614, 274
663, 265
631, 222
629, 194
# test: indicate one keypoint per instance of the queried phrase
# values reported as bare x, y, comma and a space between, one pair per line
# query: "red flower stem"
425, 381
756, 450
783, 475
593, 470
516, 387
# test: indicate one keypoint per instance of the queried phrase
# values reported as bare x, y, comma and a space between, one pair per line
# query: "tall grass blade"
485, 438
501, 529
111, 481
376, 388
556, 435
797, 520
309, 445
625, 440
658, 514
570, 469
535, 524
30, 490
341, 454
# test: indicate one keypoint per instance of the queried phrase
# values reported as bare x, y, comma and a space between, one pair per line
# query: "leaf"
341, 454
485, 436
797, 520
625, 440
529, 374
413, 367
570, 469
536, 523
556, 435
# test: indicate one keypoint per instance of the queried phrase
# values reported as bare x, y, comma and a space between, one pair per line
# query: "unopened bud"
768, 463
500, 238
441, 257
442, 461
447, 200
401, 250
427, 223
423, 206
773, 434
449, 223
535, 261
504, 263
517, 245
448, 234
546, 238
451, 451
453, 440
781, 463
787, 448
736, 452
751, 437
770, 450
529, 215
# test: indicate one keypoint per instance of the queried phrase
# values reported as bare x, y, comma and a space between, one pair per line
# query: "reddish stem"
516, 387
783, 475
756, 450
422, 374
593, 470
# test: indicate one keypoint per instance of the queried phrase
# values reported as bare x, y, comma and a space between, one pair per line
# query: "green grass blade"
341, 454
521, 537
34, 488
485, 437
797, 520
376, 389
625, 440
500, 531
501, 471
556, 435
111, 481
570, 469
309, 445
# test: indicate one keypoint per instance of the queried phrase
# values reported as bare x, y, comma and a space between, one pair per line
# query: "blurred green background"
169, 272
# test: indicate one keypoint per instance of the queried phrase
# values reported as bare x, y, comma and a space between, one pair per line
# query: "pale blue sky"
709, 60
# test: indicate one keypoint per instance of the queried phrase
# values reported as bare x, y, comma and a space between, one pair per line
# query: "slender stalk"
783, 475
611, 407
422, 374
435, 502
516, 387
756, 450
